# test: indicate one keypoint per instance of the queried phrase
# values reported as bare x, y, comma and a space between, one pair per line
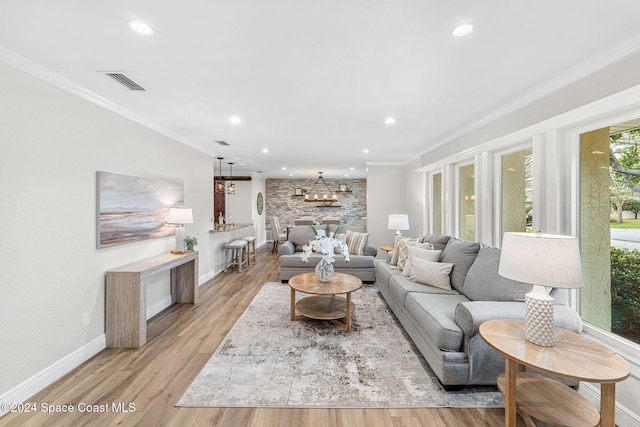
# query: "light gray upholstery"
461, 254
444, 325
437, 240
361, 266
485, 284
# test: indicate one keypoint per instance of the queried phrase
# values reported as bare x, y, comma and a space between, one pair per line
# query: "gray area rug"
267, 360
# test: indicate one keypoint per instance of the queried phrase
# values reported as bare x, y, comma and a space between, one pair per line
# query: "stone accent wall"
280, 202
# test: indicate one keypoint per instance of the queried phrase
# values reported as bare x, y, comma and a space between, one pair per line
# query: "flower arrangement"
326, 246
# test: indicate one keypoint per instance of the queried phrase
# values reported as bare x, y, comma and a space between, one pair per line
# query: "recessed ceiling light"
235, 120
352, 169
265, 150
462, 29
290, 174
141, 27
389, 121
366, 150
284, 168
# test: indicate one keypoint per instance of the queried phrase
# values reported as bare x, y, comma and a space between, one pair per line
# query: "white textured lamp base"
180, 233
539, 324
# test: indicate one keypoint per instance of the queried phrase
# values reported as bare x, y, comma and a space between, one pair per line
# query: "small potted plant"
190, 242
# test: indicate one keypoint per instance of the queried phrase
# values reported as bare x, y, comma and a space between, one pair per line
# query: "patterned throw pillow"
403, 250
356, 242
396, 247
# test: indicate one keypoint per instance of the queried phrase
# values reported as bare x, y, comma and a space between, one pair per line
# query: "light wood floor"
180, 341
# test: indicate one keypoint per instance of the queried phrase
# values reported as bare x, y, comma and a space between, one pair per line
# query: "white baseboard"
23, 391
624, 417
165, 302
156, 308
47, 376
206, 277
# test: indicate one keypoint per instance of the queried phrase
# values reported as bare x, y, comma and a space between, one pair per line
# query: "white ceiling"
314, 80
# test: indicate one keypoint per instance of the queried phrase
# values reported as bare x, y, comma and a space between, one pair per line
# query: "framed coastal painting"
131, 208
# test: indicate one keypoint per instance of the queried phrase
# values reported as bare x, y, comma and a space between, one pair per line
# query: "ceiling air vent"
222, 142
124, 80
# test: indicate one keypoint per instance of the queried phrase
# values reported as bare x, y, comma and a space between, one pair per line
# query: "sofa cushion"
425, 254
400, 286
300, 235
403, 250
356, 242
483, 283
437, 240
396, 247
461, 254
436, 316
431, 273
344, 228
294, 261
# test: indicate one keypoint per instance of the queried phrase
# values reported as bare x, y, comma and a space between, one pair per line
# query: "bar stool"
251, 248
237, 250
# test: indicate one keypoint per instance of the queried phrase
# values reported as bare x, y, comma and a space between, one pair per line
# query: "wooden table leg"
347, 308
293, 304
510, 375
607, 404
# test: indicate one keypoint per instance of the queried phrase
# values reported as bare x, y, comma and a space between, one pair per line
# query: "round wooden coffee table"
324, 304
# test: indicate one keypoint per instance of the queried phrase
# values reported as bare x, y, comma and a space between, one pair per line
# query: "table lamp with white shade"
398, 222
542, 260
179, 217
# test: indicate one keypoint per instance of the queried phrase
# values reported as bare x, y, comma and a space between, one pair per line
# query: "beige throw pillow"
396, 247
356, 242
403, 250
425, 254
434, 274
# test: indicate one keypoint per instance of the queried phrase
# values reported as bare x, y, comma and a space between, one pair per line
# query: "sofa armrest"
286, 248
370, 250
470, 315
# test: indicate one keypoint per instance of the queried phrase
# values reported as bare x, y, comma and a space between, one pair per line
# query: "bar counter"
225, 228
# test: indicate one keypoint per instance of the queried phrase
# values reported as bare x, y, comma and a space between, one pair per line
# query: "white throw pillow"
425, 254
403, 250
434, 274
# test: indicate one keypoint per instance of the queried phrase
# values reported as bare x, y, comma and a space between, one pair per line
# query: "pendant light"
231, 188
220, 181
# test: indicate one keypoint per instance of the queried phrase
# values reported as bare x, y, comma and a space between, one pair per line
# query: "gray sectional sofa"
361, 266
444, 324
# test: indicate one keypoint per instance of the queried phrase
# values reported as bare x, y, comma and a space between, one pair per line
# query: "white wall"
239, 205
385, 195
259, 220
53, 142
415, 193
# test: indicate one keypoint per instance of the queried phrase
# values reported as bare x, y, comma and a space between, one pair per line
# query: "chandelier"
326, 198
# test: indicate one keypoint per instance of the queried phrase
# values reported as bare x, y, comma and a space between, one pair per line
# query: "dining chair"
277, 234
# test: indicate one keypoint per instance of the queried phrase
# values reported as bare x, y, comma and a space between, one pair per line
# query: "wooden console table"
573, 356
126, 294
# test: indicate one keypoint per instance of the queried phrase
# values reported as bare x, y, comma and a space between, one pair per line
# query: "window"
516, 192
609, 232
466, 203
